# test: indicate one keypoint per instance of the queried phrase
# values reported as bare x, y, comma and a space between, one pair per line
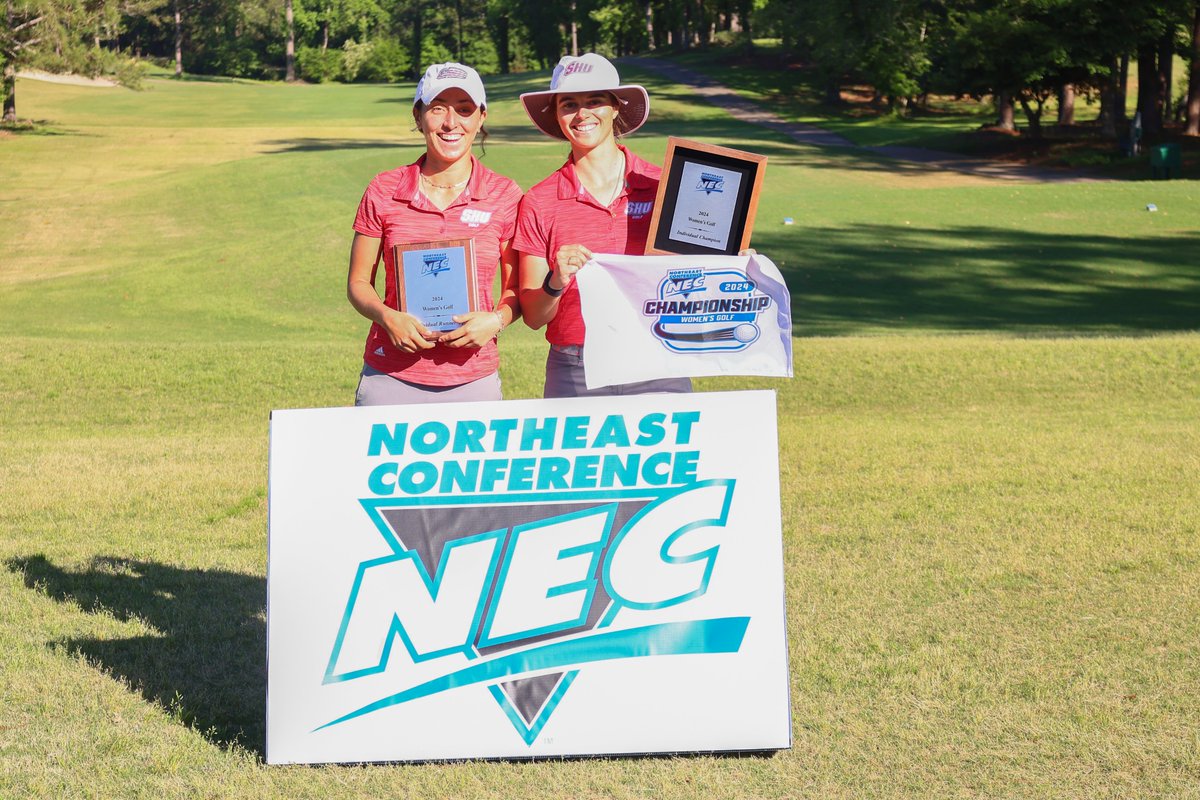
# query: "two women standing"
600, 200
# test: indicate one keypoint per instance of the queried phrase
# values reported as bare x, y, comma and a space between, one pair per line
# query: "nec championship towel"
651, 317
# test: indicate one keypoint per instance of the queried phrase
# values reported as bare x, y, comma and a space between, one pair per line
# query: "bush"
314, 65
387, 62
354, 55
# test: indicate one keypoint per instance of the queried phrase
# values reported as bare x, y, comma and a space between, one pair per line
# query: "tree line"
1021, 53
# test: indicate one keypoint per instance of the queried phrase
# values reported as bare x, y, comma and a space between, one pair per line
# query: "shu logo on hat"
576, 66
710, 183
451, 72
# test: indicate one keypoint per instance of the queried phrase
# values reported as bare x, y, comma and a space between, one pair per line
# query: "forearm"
537, 307
509, 286
365, 300
365, 254
508, 307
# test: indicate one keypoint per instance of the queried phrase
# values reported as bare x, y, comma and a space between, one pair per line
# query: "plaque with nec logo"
436, 281
707, 200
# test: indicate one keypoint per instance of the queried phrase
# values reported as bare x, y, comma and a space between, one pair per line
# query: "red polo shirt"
394, 208
559, 211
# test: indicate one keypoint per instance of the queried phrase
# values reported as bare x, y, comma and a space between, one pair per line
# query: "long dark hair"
619, 128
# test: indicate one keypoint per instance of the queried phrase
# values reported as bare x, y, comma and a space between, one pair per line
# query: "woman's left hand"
476, 329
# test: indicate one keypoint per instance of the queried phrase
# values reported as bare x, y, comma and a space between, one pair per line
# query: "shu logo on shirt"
636, 209
475, 217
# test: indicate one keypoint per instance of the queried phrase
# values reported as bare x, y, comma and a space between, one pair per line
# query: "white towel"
650, 317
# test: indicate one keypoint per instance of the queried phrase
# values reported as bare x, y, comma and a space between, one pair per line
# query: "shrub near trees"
1022, 53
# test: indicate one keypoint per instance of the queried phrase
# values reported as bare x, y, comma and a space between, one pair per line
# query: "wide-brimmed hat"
440, 77
587, 73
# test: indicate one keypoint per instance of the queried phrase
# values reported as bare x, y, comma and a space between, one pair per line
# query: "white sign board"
526, 578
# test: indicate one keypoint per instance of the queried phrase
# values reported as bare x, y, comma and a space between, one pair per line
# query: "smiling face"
586, 118
450, 123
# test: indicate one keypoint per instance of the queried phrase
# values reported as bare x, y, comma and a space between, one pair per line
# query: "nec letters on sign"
527, 578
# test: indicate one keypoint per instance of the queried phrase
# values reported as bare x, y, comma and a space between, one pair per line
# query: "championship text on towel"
650, 317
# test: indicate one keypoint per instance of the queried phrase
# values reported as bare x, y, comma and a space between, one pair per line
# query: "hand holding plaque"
706, 201
435, 281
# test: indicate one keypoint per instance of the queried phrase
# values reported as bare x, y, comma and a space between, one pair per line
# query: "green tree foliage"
1009, 49
335, 21
1020, 52
58, 36
544, 23
883, 43
621, 25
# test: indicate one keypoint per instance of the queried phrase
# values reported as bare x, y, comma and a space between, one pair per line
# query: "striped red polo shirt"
394, 208
559, 211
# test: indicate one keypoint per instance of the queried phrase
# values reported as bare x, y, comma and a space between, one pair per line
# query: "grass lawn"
989, 454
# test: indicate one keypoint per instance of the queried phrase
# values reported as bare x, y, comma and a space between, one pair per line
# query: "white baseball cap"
587, 73
440, 77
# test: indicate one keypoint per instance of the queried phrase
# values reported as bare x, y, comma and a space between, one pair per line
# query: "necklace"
463, 182
620, 183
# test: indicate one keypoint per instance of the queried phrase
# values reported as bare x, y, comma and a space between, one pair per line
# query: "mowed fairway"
990, 454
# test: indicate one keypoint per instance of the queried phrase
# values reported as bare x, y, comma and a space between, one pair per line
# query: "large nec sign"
527, 578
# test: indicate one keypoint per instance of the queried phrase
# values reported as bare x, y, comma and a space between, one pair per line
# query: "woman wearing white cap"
600, 200
444, 194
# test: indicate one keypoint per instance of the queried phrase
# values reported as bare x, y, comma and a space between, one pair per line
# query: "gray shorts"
377, 388
564, 378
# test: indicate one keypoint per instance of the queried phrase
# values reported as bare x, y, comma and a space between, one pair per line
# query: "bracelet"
550, 290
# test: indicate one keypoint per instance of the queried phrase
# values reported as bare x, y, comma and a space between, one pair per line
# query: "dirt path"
74, 80
748, 111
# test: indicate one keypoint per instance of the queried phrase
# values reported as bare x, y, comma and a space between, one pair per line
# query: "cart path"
934, 160
71, 79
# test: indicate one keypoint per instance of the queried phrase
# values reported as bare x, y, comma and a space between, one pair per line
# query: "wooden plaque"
436, 281
706, 201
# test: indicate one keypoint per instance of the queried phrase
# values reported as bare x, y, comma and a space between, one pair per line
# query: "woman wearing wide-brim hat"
600, 201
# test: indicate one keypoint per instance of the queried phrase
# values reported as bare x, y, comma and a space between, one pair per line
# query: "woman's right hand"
406, 331
569, 259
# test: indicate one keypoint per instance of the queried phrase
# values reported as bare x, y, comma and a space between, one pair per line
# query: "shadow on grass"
976, 278
207, 663
38, 127
314, 145
189, 77
500, 88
